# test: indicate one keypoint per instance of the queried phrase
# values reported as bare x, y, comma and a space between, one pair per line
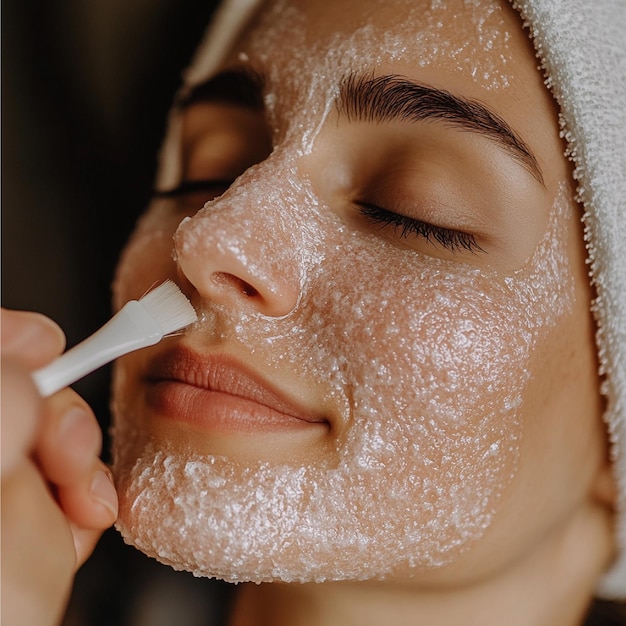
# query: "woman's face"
393, 374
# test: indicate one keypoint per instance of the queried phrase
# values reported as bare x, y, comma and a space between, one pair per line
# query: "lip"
218, 393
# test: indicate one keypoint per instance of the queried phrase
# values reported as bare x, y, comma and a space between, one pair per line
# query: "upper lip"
226, 375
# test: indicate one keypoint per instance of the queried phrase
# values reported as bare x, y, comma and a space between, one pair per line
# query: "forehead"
474, 48
471, 38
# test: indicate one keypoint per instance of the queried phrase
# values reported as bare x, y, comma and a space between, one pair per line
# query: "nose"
235, 260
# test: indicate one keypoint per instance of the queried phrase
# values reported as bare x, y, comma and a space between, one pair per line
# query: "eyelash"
453, 240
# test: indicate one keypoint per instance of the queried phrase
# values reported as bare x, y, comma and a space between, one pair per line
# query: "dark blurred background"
86, 88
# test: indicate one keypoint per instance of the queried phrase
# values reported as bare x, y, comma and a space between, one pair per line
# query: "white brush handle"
130, 329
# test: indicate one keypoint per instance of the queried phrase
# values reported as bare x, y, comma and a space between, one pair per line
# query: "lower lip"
217, 411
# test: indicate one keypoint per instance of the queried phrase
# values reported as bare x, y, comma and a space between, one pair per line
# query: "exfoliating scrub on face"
376, 370
424, 360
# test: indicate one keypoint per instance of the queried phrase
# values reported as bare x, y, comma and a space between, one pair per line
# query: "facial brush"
138, 324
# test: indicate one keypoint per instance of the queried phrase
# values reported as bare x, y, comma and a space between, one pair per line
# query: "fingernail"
103, 491
79, 433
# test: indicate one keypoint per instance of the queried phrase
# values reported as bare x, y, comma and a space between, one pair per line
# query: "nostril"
249, 290
230, 281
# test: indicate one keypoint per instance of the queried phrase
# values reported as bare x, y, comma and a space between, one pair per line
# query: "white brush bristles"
169, 307
139, 323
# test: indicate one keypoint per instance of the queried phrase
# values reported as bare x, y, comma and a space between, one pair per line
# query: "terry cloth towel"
581, 47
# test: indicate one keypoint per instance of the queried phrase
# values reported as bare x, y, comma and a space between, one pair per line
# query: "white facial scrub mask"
424, 360
431, 362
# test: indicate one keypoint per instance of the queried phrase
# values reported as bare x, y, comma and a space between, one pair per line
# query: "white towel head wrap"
581, 46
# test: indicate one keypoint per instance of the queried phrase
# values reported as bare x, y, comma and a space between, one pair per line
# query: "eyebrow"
392, 98
379, 99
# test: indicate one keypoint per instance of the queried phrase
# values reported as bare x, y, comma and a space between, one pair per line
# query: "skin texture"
435, 379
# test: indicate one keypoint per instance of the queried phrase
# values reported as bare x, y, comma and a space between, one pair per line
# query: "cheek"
437, 382
435, 364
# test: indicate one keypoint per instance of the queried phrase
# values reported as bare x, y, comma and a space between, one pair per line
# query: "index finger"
31, 337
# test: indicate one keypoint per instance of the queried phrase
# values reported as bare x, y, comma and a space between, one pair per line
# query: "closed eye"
405, 227
189, 187
191, 195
